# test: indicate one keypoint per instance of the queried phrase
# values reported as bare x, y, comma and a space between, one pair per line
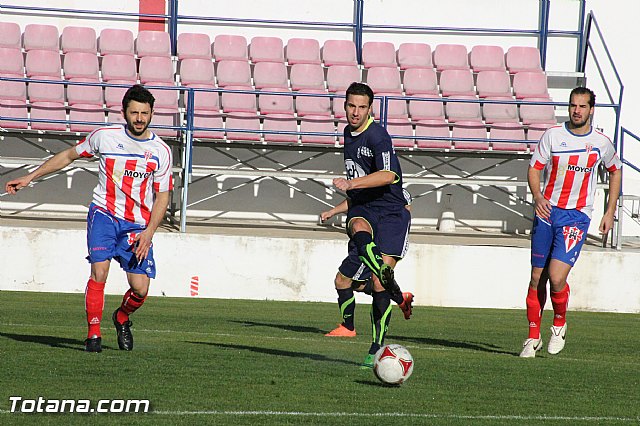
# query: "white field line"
593, 419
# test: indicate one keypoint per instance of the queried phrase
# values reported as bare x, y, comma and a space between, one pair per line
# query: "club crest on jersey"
147, 155
572, 236
588, 147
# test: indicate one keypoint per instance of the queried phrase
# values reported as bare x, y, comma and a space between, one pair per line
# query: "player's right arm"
343, 207
53, 164
542, 205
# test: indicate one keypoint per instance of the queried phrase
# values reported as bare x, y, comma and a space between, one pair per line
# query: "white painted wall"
299, 269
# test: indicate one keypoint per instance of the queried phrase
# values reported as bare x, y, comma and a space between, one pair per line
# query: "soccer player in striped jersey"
570, 154
129, 203
378, 221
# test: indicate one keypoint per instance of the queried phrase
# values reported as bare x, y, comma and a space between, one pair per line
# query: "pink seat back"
414, 55
266, 49
450, 56
454, 82
10, 35
520, 58
119, 67
156, 68
270, 74
307, 77
41, 37
378, 54
194, 46
384, 79
115, 42
153, 43
79, 39
197, 71
302, 51
11, 62
339, 52
233, 73
487, 58
230, 48
420, 81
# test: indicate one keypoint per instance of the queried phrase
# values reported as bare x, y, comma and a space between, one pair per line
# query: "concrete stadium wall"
302, 269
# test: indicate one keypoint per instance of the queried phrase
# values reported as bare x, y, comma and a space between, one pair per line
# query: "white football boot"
558, 335
530, 347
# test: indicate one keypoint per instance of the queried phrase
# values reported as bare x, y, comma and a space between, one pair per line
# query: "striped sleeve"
163, 177
542, 153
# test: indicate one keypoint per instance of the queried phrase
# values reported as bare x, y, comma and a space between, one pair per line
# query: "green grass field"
261, 362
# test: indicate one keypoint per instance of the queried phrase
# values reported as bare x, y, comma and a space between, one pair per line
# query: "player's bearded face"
138, 117
579, 110
358, 109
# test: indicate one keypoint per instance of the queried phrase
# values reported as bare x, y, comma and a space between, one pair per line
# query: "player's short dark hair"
584, 91
360, 89
137, 93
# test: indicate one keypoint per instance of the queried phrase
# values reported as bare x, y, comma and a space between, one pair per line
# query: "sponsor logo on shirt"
120, 146
137, 175
579, 169
386, 160
353, 169
364, 151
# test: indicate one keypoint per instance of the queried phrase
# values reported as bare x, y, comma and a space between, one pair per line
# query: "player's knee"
341, 282
358, 225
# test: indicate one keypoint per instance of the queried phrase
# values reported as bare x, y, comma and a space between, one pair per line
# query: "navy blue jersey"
366, 153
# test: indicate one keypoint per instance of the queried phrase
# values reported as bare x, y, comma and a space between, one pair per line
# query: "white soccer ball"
393, 364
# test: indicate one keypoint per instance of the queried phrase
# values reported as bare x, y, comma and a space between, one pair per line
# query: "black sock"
347, 305
368, 286
368, 252
380, 317
397, 297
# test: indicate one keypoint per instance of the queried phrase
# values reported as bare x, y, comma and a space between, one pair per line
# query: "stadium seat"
79, 39
156, 68
497, 113
462, 111
396, 108
13, 109
114, 116
48, 111
456, 82
205, 101
214, 121
11, 62
400, 127
420, 81
339, 77
487, 58
266, 49
153, 43
302, 51
165, 117
119, 67
537, 113
414, 55
43, 63
450, 56
164, 99
536, 130
493, 83
81, 65
275, 104
242, 121
337, 104
512, 131
280, 122
378, 54
41, 37
233, 73
10, 35
339, 52
426, 110
530, 85
239, 102
194, 46
433, 128
319, 106
196, 71
384, 79
470, 129
314, 123
87, 113
270, 74
115, 42
520, 58
13, 96
230, 48
307, 77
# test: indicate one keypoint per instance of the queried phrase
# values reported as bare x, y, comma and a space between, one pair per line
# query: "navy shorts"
560, 238
390, 233
111, 238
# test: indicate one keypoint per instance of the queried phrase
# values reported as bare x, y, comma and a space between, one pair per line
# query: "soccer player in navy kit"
378, 220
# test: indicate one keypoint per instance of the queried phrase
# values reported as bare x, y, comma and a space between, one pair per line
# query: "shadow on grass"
53, 341
287, 327
277, 352
482, 347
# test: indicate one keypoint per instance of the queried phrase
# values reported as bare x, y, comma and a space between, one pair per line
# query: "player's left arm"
143, 239
615, 180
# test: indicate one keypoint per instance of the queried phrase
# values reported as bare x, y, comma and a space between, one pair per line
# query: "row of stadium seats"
269, 49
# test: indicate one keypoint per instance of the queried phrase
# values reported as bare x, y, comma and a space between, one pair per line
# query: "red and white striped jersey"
571, 163
131, 170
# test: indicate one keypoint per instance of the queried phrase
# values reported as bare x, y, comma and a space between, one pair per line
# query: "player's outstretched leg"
380, 317
535, 303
